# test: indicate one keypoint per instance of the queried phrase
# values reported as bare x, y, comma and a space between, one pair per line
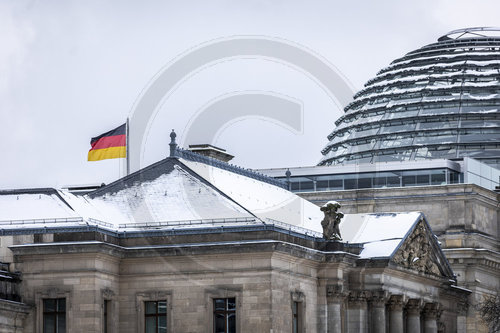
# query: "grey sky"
70, 70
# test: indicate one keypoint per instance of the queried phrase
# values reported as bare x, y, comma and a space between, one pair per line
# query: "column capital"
336, 292
462, 307
358, 297
414, 306
396, 302
432, 310
377, 298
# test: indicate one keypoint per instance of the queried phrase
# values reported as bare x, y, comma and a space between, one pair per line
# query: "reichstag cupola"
438, 102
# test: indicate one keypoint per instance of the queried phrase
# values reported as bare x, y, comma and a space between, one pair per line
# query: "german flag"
112, 144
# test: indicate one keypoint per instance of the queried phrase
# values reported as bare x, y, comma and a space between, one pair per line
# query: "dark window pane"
364, 183
151, 325
393, 181
61, 323
162, 324
162, 307
438, 178
423, 179
231, 304
49, 323
231, 323
219, 323
306, 185
220, 304
150, 307
350, 184
61, 305
49, 305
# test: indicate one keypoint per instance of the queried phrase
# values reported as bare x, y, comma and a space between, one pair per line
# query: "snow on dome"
397, 115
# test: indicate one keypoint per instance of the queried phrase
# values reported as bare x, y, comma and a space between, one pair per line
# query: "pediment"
420, 251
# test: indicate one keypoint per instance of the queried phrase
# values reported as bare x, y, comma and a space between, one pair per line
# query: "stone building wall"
265, 277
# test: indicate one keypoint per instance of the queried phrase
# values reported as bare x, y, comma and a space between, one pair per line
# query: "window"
54, 315
155, 316
106, 313
224, 315
296, 317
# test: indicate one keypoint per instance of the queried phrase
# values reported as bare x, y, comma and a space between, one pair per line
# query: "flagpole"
127, 157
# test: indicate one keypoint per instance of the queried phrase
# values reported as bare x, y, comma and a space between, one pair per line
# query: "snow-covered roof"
171, 194
380, 233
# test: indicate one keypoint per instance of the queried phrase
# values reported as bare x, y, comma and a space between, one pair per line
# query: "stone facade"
336, 291
466, 219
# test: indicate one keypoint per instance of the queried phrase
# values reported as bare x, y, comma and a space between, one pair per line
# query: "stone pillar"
413, 309
377, 300
396, 304
462, 317
335, 297
431, 313
357, 318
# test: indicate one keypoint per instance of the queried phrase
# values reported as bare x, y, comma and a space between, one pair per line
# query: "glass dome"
440, 101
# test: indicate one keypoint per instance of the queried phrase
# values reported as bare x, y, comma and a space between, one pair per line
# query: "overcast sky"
71, 70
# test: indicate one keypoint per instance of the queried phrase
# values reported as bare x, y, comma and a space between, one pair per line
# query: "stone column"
357, 319
335, 297
396, 304
413, 308
377, 300
431, 313
462, 317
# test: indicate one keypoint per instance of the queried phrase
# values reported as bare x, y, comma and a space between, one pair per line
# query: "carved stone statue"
331, 220
416, 253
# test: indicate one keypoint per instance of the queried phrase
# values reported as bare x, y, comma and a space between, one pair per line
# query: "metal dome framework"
440, 101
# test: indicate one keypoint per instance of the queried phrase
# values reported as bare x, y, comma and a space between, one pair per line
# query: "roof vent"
211, 151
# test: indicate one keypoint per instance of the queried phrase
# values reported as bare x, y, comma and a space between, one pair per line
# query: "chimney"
211, 151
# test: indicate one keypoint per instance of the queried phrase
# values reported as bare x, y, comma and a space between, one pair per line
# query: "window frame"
226, 312
298, 298
153, 296
55, 314
52, 293
222, 292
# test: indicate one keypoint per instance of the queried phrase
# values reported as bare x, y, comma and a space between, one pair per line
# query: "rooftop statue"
331, 220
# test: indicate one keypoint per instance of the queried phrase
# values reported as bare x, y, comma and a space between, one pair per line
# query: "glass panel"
162, 324
61, 323
49, 305
220, 304
61, 305
219, 323
151, 325
439, 124
350, 184
150, 307
231, 323
365, 182
304, 186
423, 179
438, 177
49, 323
162, 307
393, 181
231, 304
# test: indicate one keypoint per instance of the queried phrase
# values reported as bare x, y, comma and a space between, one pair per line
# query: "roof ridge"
195, 157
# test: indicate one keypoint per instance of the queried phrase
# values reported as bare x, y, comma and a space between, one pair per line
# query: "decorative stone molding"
358, 297
336, 292
414, 306
432, 310
462, 308
377, 298
297, 296
396, 302
108, 294
416, 253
